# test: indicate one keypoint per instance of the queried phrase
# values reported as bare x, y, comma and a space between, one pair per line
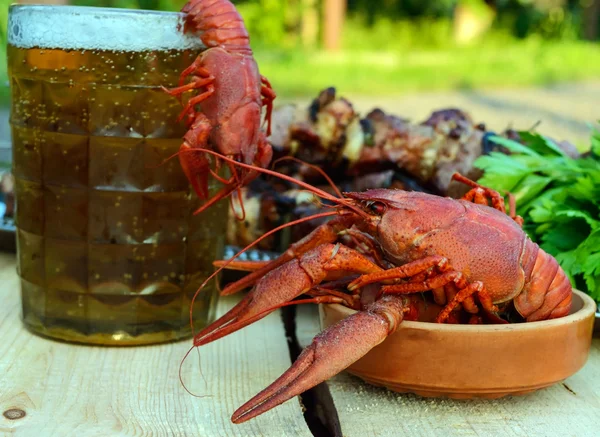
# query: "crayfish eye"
377, 208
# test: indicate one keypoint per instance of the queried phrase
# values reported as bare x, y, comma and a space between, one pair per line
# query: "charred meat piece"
379, 150
331, 134
396, 144
458, 143
429, 152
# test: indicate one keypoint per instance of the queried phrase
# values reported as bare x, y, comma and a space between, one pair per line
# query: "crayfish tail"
548, 292
219, 24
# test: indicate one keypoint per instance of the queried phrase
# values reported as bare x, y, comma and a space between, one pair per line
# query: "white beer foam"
89, 28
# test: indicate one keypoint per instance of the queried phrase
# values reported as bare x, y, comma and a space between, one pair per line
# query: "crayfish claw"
331, 351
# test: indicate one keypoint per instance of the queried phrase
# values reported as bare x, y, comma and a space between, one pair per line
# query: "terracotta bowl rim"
587, 310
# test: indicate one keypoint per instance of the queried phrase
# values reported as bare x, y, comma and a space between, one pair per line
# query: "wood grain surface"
70, 390
571, 409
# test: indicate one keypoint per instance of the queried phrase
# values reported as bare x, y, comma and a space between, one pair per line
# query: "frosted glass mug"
109, 251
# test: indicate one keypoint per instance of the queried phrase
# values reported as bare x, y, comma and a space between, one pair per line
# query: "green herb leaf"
564, 238
529, 189
506, 173
596, 142
541, 144
558, 197
513, 146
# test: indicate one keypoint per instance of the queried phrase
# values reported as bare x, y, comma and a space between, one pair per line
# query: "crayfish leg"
483, 195
287, 282
401, 272
191, 103
201, 77
325, 233
195, 165
268, 95
461, 291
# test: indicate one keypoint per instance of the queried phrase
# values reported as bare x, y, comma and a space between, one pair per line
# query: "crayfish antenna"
223, 193
317, 191
332, 351
242, 266
226, 263
319, 170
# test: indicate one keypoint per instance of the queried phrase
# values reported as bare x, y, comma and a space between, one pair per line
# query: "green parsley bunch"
557, 196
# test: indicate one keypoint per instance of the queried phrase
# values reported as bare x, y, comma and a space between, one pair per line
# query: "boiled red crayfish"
232, 94
380, 249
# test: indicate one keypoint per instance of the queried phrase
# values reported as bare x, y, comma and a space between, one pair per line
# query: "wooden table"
70, 390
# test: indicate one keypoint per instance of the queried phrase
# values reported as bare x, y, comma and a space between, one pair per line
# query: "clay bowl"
476, 361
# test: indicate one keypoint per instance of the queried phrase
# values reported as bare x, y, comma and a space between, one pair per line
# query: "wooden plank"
71, 390
570, 409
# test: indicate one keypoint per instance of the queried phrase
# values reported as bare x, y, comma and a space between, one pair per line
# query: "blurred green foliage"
277, 22
547, 18
489, 65
402, 45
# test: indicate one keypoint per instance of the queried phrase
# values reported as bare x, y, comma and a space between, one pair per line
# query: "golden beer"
108, 249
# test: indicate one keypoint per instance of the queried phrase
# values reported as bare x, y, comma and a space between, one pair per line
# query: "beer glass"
109, 251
